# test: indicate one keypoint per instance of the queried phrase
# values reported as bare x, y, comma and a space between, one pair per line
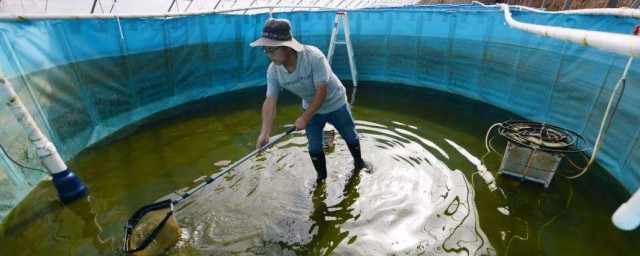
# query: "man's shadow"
327, 233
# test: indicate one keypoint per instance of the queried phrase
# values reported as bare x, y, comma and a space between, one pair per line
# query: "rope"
486, 137
566, 207
522, 132
489, 152
603, 131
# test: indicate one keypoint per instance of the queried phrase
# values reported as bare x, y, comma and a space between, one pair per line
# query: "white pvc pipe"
619, 12
612, 42
45, 150
487, 177
627, 217
482, 169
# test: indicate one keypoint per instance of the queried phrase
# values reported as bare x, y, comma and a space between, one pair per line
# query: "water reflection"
421, 199
412, 203
73, 228
328, 220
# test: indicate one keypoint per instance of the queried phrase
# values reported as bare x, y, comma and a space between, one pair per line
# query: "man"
304, 70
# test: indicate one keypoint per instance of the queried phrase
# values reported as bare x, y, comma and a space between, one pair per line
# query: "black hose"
18, 164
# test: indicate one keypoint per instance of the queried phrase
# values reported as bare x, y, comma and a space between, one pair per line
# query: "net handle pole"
133, 221
230, 167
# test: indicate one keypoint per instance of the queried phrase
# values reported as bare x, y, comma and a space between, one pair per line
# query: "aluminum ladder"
342, 16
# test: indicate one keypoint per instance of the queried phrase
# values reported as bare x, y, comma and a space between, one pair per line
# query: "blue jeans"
341, 119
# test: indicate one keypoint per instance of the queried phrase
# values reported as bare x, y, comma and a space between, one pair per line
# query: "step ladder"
342, 16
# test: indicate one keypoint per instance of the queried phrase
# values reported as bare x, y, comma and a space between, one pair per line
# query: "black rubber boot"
359, 164
320, 164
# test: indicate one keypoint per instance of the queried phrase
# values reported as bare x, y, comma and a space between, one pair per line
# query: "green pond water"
422, 198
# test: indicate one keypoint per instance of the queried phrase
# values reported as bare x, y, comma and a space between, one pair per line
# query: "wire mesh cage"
529, 164
534, 150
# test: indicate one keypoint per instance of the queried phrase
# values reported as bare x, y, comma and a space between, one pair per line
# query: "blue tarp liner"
82, 81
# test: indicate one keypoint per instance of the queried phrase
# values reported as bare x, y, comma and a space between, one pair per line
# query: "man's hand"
263, 139
316, 103
301, 123
268, 113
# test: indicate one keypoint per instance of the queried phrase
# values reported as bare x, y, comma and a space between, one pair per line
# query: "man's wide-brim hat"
277, 32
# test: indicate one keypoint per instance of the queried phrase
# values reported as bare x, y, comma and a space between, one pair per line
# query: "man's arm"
268, 114
316, 103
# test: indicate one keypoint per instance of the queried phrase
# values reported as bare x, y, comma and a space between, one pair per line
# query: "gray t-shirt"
312, 69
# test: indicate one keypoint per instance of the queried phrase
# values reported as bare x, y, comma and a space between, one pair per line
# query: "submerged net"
152, 230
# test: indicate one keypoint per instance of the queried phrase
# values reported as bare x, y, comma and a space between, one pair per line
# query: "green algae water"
423, 197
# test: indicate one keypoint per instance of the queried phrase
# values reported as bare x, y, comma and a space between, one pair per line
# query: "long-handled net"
148, 224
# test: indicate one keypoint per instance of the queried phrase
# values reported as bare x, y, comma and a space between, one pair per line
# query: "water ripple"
412, 202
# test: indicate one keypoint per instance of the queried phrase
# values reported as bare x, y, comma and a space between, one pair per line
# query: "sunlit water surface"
422, 198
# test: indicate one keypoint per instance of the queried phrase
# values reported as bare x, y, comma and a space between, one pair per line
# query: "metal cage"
529, 164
